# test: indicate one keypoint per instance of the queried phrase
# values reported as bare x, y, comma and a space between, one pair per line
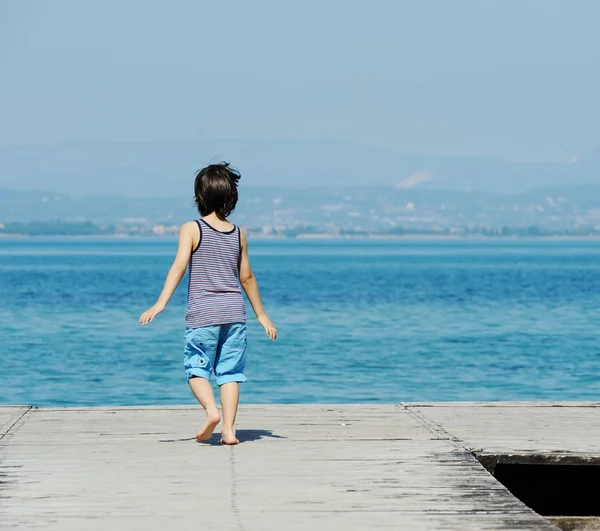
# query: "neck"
214, 217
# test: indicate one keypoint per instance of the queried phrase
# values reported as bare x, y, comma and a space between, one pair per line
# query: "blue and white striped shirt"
214, 293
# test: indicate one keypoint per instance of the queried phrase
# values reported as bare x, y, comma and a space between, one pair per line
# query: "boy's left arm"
184, 251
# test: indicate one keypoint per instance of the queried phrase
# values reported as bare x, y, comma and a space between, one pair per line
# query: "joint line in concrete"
434, 427
233, 492
17, 421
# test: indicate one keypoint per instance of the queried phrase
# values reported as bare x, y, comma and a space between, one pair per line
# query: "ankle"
213, 414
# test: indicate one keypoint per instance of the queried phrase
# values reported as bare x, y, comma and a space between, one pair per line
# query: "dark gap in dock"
561, 488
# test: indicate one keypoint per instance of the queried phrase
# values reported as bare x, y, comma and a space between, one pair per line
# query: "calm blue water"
359, 321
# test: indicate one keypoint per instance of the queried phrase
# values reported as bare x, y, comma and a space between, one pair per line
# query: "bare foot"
228, 436
205, 433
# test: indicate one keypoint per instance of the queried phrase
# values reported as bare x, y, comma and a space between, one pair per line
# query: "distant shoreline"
313, 237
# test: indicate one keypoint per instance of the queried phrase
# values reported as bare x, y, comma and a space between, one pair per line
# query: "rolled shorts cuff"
228, 378
195, 371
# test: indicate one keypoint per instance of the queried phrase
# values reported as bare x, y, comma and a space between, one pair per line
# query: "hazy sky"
516, 79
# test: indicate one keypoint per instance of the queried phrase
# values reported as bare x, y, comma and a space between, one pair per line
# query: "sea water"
358, 320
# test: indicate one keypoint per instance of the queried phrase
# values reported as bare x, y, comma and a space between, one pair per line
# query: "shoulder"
189, 228
189, 225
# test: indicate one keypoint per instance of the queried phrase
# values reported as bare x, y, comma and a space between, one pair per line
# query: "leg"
199, 354
204, 393
230, 397
229, 369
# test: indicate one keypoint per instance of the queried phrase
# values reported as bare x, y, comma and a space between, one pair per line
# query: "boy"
216, 253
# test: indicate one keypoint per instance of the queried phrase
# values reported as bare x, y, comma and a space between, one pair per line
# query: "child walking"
216, 253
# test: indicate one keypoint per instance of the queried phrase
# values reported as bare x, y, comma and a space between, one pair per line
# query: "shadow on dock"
244, 436
256, 435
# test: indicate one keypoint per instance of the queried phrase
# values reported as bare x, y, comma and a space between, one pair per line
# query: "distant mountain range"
354, 208
146, 169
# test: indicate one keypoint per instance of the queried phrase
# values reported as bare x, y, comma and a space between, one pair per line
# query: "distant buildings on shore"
59, 228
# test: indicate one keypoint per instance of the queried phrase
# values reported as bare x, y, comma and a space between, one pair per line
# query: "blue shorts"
220, 349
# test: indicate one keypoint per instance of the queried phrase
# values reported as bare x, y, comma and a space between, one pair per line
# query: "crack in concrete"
233, 492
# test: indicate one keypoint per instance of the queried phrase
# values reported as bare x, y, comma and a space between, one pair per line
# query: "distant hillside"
167, 168
375, 207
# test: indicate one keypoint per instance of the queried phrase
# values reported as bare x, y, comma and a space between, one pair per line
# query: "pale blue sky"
516, 79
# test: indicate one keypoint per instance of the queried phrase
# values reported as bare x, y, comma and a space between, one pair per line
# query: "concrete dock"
298, 467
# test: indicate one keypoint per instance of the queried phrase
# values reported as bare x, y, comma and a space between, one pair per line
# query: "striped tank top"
214, 293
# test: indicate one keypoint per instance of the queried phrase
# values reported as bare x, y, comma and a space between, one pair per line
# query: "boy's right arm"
184, 251
248, 282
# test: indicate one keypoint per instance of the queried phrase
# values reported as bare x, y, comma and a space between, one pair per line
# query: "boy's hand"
149, 315
268, 326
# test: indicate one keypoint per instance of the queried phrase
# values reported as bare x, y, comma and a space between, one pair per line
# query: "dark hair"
216, 191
